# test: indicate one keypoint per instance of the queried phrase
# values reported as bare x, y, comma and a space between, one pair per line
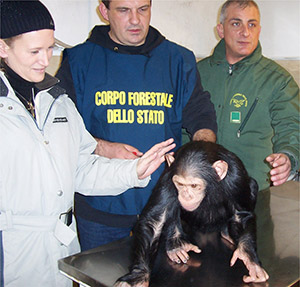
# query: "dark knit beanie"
18, 17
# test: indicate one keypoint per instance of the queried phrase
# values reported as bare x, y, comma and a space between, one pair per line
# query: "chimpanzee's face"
191, 191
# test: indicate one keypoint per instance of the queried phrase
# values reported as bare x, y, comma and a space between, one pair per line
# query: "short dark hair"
241, 3
106, 3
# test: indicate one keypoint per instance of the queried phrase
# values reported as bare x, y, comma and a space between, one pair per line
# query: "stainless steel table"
278, 248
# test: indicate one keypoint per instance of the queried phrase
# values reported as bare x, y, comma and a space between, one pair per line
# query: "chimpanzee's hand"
180, 254
137, 277
256, 272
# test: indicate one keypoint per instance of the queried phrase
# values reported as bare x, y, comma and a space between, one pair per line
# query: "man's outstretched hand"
153, 158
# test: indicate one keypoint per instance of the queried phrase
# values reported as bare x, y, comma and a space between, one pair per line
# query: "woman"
46, 154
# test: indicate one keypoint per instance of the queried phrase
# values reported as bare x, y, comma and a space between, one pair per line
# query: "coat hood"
99, 36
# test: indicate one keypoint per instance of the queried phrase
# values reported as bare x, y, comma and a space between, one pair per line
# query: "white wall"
190, 23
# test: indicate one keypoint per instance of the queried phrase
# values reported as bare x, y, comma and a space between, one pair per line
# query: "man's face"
240, 31
129, 20
29, 54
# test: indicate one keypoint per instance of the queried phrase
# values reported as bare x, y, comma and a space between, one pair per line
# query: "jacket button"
10, 107
46, 142
1, 105
60, 193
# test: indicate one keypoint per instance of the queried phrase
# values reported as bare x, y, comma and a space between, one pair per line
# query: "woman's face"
29, 54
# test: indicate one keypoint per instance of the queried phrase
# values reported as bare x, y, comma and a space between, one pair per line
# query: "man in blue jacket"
133, 88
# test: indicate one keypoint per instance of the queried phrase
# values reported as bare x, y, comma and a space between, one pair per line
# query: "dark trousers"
93, 234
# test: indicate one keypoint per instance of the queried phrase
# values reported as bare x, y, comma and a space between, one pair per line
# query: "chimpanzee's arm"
242, 230
177, 243
147, 233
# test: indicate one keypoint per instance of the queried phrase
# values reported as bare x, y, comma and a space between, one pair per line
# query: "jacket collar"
49, 82
101, 37
21, 85
219, 56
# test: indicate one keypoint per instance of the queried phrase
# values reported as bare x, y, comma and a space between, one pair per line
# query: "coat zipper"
34, 119
247, 118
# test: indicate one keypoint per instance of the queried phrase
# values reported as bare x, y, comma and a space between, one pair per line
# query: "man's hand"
153, 158
116, 150
281, 167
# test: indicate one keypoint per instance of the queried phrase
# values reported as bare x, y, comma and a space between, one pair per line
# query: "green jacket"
257, 106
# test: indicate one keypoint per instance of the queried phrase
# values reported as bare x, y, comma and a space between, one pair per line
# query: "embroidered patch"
239, 100
60, 120
235, 117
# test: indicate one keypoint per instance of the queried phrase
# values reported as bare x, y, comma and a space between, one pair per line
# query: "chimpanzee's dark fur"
228, 207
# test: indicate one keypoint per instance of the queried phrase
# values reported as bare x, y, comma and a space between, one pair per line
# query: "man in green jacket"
256, 100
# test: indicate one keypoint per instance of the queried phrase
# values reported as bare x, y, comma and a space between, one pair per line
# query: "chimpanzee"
208, 188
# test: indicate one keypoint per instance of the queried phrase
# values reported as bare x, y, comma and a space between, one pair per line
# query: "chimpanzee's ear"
169, 158
221, 167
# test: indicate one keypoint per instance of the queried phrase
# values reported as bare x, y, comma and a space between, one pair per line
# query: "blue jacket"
136, 95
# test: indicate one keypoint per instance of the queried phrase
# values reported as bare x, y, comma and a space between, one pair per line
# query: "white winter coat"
42, 163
